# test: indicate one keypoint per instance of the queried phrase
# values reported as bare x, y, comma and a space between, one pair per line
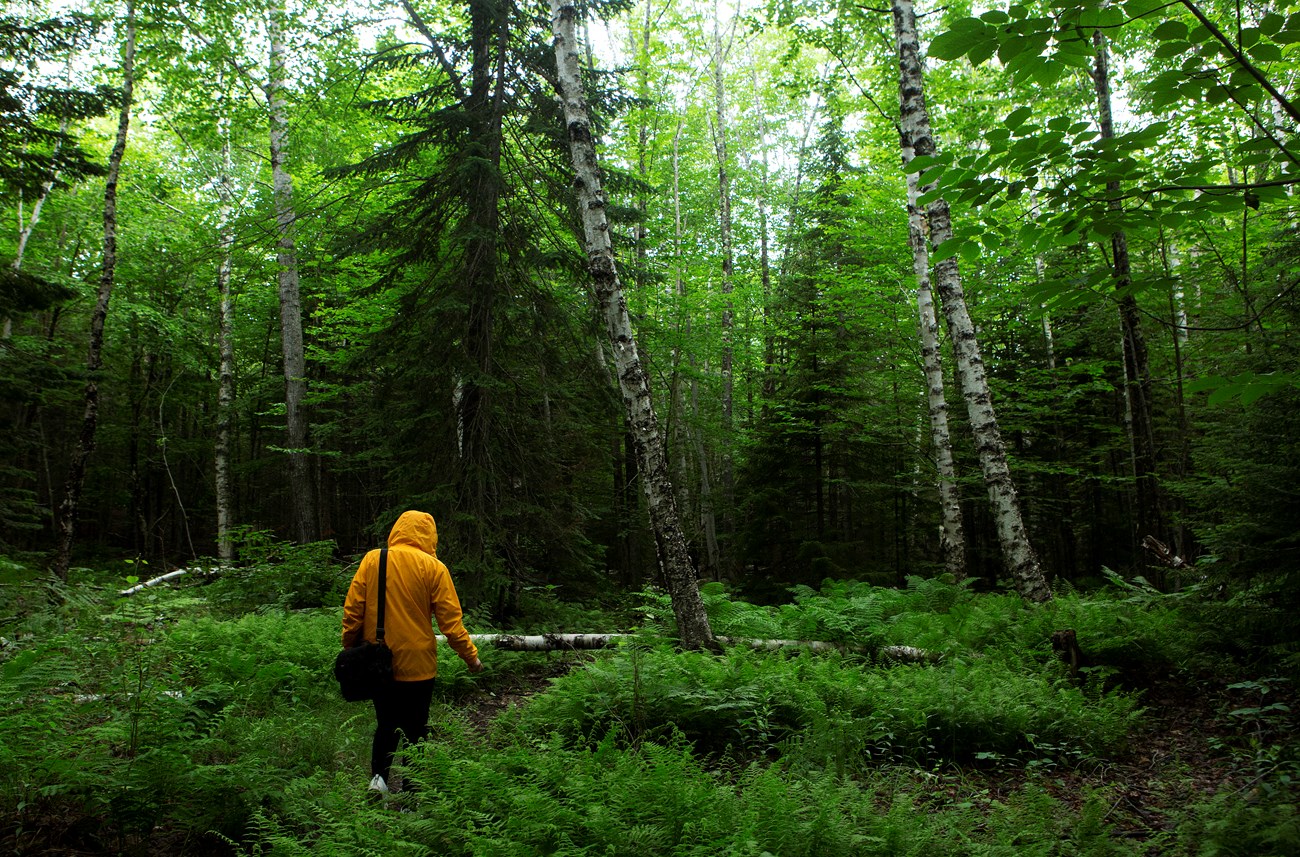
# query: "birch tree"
1017, 551
301, 492
75, 482
721, 50
952, 544
692, 621
225, 340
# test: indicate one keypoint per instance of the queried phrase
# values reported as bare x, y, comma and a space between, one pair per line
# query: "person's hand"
475, 666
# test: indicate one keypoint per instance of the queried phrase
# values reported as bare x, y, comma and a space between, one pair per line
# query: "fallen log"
171, 575
589, 642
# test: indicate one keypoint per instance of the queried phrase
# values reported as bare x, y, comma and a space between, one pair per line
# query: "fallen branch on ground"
587, 642
171, 575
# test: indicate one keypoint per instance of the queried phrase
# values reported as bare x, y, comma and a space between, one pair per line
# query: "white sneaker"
377, 784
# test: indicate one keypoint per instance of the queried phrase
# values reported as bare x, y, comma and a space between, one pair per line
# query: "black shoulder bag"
366, 669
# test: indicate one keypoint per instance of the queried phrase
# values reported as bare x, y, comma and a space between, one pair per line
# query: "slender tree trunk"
678, 430
301, 491
1017, 552
764, 256
952, 538
225, 339
25, 229
692, 622
67, 518
1149, 520
720, 54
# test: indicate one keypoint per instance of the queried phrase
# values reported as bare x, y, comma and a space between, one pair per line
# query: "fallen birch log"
171, 575
588, 642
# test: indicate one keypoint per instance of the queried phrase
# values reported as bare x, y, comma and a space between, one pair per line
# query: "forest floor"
1185, 749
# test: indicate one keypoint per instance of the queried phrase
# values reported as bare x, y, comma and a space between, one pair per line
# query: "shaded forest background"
453, 359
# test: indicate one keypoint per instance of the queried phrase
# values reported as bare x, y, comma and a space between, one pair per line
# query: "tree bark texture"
692, 622
720, 53
1149, 519
67, 518
589, 642
952, 538
301, 493
1017, 551
225, 337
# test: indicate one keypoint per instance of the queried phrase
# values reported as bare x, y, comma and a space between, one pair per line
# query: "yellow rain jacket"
419, 589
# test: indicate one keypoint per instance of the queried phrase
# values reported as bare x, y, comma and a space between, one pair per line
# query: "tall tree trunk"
1149, 520
483, 106
302, 498
692, 621
764, 255
225, 339
1017, 552
67, 518
952, 538
720, 54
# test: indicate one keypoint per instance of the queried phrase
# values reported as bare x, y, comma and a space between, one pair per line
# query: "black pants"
404, 707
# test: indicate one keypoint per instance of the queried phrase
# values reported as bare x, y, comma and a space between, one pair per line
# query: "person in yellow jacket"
418, 590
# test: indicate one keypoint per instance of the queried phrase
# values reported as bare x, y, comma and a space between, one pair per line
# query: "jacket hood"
416, 529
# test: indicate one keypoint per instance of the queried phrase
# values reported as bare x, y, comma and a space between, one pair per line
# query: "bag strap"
383, 585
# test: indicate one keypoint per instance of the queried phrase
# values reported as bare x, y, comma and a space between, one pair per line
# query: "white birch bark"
692, 622
1018, 554
225, 338
67, 516
589, 642
952, 539
720, 54
301, 495
764, 254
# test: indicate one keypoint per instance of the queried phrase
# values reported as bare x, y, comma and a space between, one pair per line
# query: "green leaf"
1266, 52
1139, 8
945, 251
1046, 73
981, 53
1170, 30
964, 36
995, 16
1017, 117
1170, 49
931, 175
920, 164
1271, 23
1290, 32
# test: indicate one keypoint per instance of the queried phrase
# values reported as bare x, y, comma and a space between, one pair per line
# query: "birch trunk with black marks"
1017, 551
952, 538
591, 642
225, 337
301, 492
764, 254
692, 621
67, 516
720, 54
1149, 520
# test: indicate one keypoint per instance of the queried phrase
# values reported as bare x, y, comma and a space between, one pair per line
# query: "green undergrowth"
830, 711
540, 798
166, 723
